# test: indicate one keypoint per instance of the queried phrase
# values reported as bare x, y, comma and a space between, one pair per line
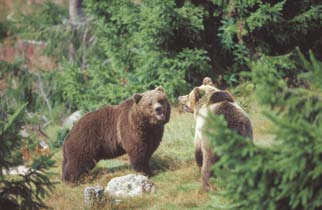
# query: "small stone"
92, 195
43, 145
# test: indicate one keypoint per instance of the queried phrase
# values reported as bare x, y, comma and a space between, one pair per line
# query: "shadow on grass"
103, 169
112, 168
161, 164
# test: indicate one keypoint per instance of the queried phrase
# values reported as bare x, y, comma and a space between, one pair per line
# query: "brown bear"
135, 127
202, 101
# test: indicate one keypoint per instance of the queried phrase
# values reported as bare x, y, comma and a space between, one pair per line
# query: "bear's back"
237, 119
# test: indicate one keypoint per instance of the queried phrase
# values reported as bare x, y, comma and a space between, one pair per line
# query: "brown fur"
134, 127
205, 99
237, 120
220, 96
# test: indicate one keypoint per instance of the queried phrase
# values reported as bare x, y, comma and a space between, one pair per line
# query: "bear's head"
153, 106
191, 101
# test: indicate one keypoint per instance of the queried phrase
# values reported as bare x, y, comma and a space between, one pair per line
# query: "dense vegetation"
129, 46
125, 46
177, 43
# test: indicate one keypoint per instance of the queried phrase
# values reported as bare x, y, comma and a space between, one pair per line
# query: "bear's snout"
159, 112
183, 99
158, 109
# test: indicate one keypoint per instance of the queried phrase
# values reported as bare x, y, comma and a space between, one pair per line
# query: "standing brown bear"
134, 127
204, 101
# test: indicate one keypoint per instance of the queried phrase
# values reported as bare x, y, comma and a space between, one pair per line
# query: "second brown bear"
134, 127
207, 100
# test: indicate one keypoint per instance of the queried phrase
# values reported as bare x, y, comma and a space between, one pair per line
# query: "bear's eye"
150, 104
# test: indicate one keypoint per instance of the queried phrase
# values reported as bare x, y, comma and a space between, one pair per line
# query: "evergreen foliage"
25, 191
127, 46
269, 27
287, 175
141, 44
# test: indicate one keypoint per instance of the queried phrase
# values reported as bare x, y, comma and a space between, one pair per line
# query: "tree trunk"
75, 10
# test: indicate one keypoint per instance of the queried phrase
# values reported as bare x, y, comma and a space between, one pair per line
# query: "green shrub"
60, 137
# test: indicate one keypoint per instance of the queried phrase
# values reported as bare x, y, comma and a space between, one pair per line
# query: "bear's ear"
220, 96
160, 88
207, 81
199, 93
137, 98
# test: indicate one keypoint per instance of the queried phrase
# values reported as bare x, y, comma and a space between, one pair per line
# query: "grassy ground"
176, 175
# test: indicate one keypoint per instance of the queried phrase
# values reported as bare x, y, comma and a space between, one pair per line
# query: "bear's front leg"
73, 170
198, 156
140, 159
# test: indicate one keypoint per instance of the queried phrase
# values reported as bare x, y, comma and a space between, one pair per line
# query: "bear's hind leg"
198, 157
209, 158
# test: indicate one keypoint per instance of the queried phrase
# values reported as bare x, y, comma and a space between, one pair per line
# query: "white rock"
74, 117
43, 145
18, 170
129, 185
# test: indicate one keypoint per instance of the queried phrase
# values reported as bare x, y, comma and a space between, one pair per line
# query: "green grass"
177, 177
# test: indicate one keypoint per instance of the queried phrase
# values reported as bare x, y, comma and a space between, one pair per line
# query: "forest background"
57, 57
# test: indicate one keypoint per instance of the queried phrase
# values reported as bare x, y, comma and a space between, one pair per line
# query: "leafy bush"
288, 174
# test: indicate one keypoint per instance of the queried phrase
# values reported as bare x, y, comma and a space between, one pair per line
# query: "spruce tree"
286, 175
27, 190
